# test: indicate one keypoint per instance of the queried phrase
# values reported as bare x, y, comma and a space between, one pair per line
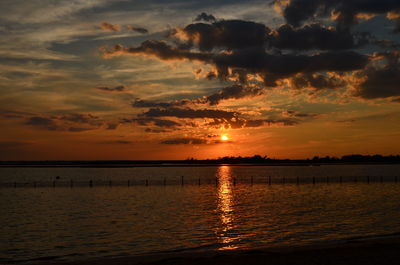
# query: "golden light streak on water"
226, 208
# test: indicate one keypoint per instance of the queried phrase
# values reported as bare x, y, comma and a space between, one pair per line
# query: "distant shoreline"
255, 160
129, 164
177, 165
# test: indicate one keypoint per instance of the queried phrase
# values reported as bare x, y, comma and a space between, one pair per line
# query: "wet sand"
372, 251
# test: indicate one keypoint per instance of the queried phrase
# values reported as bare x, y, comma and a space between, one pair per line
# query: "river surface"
80, 213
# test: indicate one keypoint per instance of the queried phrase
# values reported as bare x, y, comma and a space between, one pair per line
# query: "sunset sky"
152, 79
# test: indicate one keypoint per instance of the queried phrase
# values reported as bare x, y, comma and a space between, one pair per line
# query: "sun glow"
224, 137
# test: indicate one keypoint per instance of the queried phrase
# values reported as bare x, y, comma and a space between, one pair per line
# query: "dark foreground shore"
353, 252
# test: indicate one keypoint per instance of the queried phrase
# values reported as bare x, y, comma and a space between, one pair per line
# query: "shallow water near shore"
232, 208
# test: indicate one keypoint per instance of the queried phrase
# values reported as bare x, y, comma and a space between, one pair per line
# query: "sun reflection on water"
226, 208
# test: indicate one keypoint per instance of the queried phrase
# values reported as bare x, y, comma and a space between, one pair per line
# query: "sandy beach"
382, 250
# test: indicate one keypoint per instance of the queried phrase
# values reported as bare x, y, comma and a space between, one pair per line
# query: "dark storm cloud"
190, 113
299, 11
112, 89
176, 141
381, 82
273, 67
138, 29
287, 64
254, 60
205, 17
315, 36
230, 34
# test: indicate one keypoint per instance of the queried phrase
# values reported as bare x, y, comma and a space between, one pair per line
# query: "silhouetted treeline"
316, 159
232, 160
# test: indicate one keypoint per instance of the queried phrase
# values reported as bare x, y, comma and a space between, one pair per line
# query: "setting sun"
224, 138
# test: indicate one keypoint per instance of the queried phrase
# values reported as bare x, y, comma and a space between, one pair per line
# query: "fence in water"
182, 181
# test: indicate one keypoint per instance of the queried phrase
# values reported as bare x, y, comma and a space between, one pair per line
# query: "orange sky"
138, 80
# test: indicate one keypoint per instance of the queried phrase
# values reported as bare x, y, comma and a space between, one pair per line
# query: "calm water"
81, 222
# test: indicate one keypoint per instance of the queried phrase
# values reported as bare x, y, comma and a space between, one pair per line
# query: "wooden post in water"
367, 179
313, 180
297, 180
147, 182
34, 184
91, 183
165, 182
234, 181
216, 181
110, 183
129, 183
340, 179
395, 179
54, 183
283, 180
327, 179
355, 179
182, 182
381, 179
199, 181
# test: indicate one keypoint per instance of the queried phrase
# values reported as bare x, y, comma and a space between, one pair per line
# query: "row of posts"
182, 182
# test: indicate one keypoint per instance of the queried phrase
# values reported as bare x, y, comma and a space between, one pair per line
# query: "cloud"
112, 89
139, 103
159, 49
110, 27
230, 34
71, 122
229, 92
381, 81
177, 141
205, 17
316, 81
152, 121
138, 29
270, 122
315, 36
42, 122
232, 92
270, 67
190, 113
274, 67
297, 12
